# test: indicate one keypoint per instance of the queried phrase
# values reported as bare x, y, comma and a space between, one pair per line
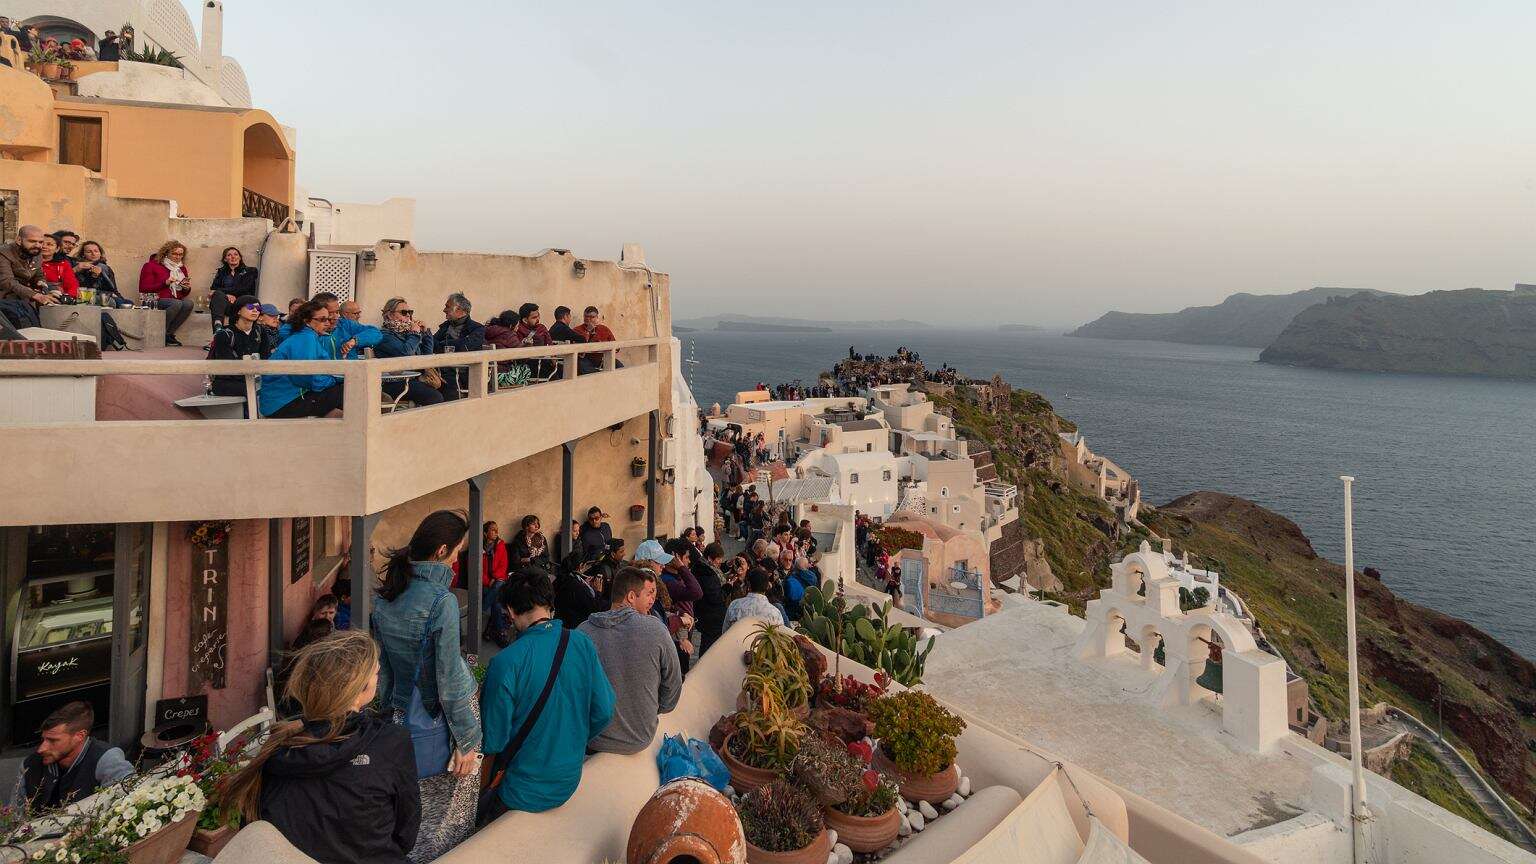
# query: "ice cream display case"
63, 636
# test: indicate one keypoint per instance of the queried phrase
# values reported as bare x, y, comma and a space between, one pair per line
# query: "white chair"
261, 721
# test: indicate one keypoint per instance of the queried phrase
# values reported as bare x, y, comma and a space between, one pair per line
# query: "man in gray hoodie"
640, 660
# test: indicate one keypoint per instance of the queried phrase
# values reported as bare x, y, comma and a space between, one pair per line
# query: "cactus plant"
863, 635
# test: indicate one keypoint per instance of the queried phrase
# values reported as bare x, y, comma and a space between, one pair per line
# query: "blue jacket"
279, 390
547, 768
367, 337
408, 344
446, 684
794, 590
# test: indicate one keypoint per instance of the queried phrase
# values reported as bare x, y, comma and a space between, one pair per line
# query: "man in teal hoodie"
545, 770
287, 396
344, 330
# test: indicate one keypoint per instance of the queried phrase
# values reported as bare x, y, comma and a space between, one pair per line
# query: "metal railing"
255, 204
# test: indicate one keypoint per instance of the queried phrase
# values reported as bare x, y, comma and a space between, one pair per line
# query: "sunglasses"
406, 312
255, 306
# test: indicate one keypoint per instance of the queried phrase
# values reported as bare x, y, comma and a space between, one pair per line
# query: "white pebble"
952, 802
730, 791
843, 854
904, 828
895, 844
831, 837
965, 787
902, 805
927, 810
833, 859
916, 820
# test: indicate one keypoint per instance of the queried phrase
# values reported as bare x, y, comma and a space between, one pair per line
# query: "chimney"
213, 41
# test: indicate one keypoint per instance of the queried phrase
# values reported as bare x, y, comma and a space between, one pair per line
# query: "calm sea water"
1445, 467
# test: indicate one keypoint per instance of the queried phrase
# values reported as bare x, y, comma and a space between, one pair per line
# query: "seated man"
542, 770
458, 333
593, 329
69, 764
756, 604
23, 287
638, 657
346, 328
594, 534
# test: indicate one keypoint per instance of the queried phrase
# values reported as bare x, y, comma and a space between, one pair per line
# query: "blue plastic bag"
678, 758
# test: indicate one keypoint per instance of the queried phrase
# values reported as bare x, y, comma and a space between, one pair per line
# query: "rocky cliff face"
1411, 656
1249, 320
1471, 332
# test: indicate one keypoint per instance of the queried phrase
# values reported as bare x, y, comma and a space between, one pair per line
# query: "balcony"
255, 204
363, 462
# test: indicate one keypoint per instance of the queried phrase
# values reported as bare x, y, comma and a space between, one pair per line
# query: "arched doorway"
266, 178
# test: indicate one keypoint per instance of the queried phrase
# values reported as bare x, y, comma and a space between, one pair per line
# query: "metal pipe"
1358, 814
650, 478
567, 493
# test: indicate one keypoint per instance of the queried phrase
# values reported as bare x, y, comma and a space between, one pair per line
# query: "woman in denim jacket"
416, 621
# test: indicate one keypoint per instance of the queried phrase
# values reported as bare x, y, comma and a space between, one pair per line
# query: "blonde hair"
327, 679
392, 304
168, 247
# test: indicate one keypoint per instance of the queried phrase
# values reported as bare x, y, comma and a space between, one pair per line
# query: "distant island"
1018, 328
770, 324
1467, 332
1247, 320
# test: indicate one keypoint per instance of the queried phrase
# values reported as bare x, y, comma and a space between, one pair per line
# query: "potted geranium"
783, 825
860, 803
208, 766
917, 744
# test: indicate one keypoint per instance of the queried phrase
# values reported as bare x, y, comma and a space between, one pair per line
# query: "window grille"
333, 271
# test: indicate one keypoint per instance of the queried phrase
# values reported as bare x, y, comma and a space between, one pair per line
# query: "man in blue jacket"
545, 770
800, 579
345, 329
286, 396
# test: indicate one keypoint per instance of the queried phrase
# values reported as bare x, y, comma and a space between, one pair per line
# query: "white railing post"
568, 365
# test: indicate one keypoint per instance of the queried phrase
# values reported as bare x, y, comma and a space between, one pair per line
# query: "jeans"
19, 313
417, 392
500, 623
311, 404
176, 314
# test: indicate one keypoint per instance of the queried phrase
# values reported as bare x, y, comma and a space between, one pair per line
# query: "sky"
974, 162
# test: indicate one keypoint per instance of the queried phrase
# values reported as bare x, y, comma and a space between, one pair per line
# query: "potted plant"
775, 660
783, 825
868, 820
150, 823
44, 63
762, 742
917, 744
205, 764
66, 69
637, 466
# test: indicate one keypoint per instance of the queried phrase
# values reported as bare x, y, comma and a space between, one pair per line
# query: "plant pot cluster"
812, 786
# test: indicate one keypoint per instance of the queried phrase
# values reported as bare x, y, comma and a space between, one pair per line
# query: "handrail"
89, 368
1422, 728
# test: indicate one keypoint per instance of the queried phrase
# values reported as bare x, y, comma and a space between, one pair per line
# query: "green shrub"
916, 732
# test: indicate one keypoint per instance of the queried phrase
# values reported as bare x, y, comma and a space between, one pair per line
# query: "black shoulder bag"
489, 806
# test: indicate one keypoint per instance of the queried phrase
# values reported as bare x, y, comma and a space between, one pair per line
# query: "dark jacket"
471, 336
103, 282
709, 609
593, 540
575, 600
41, 787
407, 344
350, 801
562, 333
238, 283
109, 52
229, 343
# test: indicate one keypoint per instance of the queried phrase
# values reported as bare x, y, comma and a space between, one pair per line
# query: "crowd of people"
40, 48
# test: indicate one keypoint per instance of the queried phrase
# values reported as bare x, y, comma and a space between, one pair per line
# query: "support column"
473, 579
360, 571
650, 480
277, 581
567, 490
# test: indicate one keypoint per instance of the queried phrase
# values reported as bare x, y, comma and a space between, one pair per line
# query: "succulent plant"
916, 732
780, 817
828, 770
863, 635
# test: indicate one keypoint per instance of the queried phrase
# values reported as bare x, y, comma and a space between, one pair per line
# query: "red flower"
871, 779
861, 751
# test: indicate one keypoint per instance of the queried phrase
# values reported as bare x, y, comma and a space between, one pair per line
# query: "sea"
1444, 467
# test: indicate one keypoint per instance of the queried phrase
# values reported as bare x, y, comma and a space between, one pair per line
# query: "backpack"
111, 337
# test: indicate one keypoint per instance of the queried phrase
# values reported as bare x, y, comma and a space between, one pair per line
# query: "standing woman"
425, 683
231, 281
164, 277
338, 781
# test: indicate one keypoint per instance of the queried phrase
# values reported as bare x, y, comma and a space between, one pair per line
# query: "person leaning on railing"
404, 336
285, 396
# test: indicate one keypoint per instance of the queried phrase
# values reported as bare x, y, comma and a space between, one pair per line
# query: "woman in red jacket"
58, 270
164, 277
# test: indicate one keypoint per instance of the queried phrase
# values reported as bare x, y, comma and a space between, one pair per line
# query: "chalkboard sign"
301, 551
209, 636
188, 711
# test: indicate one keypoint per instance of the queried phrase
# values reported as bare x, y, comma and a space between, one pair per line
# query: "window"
853, 479
870, 448
955, 509
944, 492
80, 142
886, 475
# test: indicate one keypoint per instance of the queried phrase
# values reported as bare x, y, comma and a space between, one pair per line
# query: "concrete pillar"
212, 45
364, 582
567, 491
276, 582
650, 481
472, 579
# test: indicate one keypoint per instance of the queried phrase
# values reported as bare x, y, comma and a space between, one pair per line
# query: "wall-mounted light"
369, 258
579, 268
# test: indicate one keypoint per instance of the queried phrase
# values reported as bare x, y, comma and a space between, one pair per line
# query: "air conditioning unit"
668, 453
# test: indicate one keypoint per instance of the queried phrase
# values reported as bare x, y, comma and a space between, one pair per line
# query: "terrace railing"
363, 462
255, 204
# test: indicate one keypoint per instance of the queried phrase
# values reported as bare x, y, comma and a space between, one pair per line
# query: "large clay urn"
686, 821
933, 788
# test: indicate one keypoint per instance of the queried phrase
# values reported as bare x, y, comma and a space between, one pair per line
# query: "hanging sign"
209, 636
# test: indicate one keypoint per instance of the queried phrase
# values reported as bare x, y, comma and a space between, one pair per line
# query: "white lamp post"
1358, 814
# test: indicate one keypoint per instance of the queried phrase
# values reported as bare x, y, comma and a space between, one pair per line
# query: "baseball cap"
651, 550
269, 309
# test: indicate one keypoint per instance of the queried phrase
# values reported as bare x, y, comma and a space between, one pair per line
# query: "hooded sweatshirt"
354, 800
641, 663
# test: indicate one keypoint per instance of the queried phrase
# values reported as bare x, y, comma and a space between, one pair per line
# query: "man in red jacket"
593, 329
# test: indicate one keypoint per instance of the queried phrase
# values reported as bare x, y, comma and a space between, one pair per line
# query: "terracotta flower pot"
51, 71
744, 777
164, 846
815, 853
211, 842
865, 833
686, 820
933, 788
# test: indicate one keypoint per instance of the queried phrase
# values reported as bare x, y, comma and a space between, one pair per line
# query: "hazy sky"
1021, 161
